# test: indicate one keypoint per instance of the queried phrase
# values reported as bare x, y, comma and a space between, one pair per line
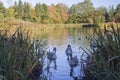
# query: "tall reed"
17, 56
105, 63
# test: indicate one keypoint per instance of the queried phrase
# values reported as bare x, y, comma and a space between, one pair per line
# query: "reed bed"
104, 62
17, 57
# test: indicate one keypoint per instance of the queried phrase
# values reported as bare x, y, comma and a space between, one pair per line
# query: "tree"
85, 7
15, 9
84, 11
11, 11
20, 9
62, 10
26, 15
32, 14
39, 12
44, 16
101, 14
3, 10
117, 13
53, 14
73, 9
111, 14
101, 10
1, 16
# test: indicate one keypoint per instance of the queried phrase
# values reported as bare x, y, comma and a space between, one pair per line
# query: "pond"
60, 37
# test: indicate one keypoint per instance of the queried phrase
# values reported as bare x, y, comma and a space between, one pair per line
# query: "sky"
96, 3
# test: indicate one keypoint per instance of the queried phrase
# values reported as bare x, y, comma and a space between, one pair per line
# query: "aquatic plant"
105, 63
17, 56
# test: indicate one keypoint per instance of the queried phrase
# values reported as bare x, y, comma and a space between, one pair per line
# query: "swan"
69, 52
52, 55
74, 68
74, 61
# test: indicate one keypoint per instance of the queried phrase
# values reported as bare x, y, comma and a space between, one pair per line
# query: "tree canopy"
82, 12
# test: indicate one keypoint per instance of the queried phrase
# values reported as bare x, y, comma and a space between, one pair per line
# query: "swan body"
69, 51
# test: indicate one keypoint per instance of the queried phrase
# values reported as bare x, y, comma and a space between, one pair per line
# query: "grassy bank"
11, 24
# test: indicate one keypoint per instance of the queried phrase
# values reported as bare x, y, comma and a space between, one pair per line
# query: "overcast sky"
96, 3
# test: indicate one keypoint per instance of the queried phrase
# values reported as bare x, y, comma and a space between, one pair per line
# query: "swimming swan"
52, 55
69, 52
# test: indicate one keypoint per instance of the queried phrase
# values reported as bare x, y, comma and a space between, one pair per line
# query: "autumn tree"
53, 14
63, 12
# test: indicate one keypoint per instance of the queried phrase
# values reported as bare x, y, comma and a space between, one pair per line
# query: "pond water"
60, 37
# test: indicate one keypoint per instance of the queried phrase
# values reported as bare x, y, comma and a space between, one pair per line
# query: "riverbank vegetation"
17, 57
82, 12
103, 62
17, 53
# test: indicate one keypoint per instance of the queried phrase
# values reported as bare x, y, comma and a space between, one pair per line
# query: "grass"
17, 56
35, 28
105, 63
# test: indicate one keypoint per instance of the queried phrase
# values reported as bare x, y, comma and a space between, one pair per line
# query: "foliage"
99, 19
26, 15
17, 56
111, 14
105, 63
3, 10
117, 13
58, 13
82, 12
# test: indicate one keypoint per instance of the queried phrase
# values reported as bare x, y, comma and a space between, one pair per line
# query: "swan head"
69, 46
54, 49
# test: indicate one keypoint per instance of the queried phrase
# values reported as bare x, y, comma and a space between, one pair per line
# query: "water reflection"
60, 37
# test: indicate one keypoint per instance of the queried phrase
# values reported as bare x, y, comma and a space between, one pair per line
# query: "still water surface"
60, 37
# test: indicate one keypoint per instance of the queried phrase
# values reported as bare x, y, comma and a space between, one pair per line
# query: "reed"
17, 56
105, 63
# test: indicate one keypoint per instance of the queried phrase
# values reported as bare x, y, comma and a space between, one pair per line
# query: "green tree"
11, 11
111, 14
3, 10
20, 9
101, 10
117, 13
101, 14
39, 10
73, 9
85, 7
44, 16
15, 9
83, 12
32, 14
26, 15
1, 16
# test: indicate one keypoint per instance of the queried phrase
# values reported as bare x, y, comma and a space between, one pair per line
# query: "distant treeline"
83, 12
